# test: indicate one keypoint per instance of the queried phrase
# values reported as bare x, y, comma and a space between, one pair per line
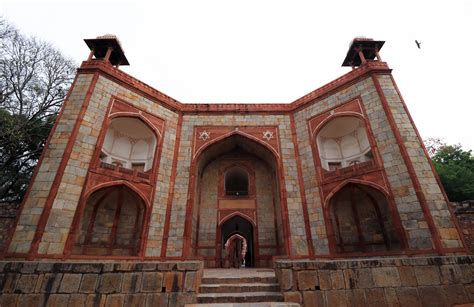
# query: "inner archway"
237, 225
237, 176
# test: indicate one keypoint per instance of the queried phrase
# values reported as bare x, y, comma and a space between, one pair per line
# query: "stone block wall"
99, 284
464, 213
427, 281
208, 211
50, 206
39, 191
402, 186
266, 213
8, 214
438, 206
96, 92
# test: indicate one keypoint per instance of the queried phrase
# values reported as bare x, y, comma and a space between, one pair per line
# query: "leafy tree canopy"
455, 167
34, 78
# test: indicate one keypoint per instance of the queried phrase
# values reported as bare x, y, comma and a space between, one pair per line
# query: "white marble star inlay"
268, 135
204, 135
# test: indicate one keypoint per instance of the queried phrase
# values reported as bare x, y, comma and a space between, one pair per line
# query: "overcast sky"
256, 51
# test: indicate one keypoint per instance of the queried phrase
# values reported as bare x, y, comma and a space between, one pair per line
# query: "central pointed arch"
238, 144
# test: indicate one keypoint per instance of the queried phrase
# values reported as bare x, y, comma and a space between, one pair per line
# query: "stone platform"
407, 281
403, 281
99, 284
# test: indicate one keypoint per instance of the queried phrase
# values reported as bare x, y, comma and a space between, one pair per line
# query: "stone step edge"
241, 294
259, 304
240, 285
214, 280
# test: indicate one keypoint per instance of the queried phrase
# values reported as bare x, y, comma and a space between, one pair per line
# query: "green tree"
456, 171
34, 77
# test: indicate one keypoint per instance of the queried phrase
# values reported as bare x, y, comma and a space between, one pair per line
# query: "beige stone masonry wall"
419, 236
208, 209
265, 209
34, 204
430, 281
70, 187
435, 198
175, 242
99, 284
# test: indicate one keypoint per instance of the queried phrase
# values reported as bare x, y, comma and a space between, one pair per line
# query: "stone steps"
244, 287
236, 280
242, 297
239, 287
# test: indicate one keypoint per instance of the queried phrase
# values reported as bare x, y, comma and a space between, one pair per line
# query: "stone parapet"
418, 281
99, 283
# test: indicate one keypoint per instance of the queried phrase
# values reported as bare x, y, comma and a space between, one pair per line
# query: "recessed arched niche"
129, 143
362, 221
343, 142
111, 224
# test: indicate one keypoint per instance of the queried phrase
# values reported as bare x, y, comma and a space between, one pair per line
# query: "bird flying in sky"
418, 44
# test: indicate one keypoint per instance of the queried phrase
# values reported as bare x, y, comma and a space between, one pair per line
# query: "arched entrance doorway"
236, 225
237, 177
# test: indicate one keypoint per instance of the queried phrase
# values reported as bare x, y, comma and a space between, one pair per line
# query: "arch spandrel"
352, 108
208, 135
122, 109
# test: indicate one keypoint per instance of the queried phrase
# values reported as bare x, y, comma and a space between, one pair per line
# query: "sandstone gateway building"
129, 173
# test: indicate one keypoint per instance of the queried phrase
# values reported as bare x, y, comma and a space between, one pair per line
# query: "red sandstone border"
166, 228
149, 92
59, 174
304, 203
406, 158
35, 173
435, 173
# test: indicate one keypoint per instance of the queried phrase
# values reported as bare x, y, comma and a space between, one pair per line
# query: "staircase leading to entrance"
239, 286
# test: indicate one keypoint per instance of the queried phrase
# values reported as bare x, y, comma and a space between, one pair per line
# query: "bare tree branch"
34, 77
